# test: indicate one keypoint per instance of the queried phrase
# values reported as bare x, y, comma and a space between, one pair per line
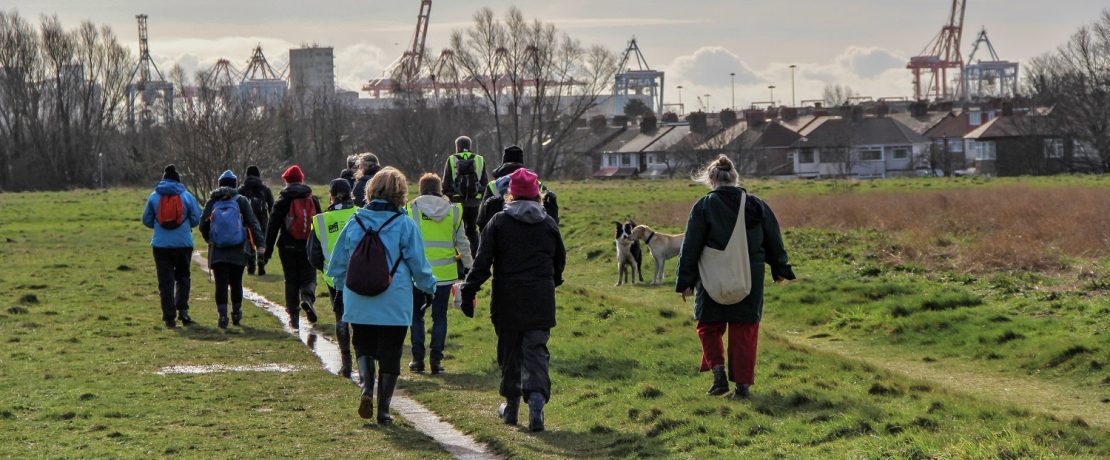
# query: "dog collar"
648, 240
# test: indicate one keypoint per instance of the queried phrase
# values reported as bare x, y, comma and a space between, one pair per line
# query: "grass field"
876, 351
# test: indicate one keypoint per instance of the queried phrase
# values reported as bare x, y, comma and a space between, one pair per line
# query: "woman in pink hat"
525, 244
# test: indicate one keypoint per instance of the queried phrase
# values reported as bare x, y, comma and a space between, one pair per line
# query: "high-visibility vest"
327, 226
439, 242
479, 166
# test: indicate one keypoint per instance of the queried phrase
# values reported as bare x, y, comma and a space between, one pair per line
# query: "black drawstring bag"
368, 272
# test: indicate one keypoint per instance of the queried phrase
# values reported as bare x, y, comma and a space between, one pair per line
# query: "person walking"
172, 213
289, 229
349, 172
326, 228
711, 224
367, 167
231, 230
262, 202
391, 246
445, 244
493, 196
522, 245
464, 179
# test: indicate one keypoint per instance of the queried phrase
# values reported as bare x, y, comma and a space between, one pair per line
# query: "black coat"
527, 258
236, 255
359, 189
710, 224
275, 232
253, 187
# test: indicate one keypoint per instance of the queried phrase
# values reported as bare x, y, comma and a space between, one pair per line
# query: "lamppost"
100, 160
793, 100
732, 75
681, 108
772, 88
707, 103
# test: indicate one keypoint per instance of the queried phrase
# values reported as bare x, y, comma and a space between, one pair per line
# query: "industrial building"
312, 70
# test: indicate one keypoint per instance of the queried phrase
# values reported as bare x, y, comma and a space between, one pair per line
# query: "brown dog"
662, 246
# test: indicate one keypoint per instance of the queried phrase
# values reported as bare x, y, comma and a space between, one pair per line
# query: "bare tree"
836, 95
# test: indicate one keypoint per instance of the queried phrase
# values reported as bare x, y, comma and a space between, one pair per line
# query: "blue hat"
228, 179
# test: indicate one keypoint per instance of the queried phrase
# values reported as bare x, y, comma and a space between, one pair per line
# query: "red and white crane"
930, 68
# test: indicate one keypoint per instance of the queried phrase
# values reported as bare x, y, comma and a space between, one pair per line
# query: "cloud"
711, 66
870, 62
359, 63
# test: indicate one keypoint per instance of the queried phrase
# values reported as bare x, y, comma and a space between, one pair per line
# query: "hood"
223, 193
294, 191
342, 205
433, 206
506, 168
169, 187
529, 212
252, 182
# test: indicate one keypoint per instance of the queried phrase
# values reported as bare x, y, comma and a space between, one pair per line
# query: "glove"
428, 300
468, 303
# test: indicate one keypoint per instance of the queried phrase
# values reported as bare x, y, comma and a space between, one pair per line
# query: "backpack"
726, 275
171, 211
298, 222
466, 176
368, 272
258, 204
226, 224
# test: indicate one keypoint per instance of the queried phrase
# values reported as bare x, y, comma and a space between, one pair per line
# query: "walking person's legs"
470, 223
222, 274
235, 283
342, 332
509, 360
743, 339
713, 355
363, 339
416, 338
390, 345
439, 327
164, 268
535, 383
182, 260
288, 259
306, 284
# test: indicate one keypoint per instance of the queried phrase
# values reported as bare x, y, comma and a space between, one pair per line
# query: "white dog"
662, 245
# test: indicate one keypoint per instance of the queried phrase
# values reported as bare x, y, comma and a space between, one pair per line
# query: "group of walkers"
386, 261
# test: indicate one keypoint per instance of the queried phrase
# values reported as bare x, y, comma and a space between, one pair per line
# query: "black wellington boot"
236, 314
294, 318
345, 364
366, 374
509, 410
183, 316
386, 384
535, 411
720, 382
309, 312
222, 310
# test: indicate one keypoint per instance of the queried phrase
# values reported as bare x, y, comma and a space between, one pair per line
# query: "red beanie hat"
524, 184
293, 175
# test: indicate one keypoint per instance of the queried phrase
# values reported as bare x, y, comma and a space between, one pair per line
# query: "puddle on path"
455, 442
218, 368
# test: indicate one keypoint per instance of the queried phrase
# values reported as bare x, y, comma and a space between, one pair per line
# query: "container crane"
930, 68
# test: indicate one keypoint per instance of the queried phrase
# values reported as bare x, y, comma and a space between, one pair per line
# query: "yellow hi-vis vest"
439, 242
479, 167
327, 227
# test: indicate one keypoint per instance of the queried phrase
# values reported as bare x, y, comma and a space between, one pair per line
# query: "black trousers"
342, 329
524, 360
172, 267
382, 343
300, 277
470, 224
228, 276
255, 260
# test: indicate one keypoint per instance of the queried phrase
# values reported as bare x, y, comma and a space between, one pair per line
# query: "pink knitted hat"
524, 184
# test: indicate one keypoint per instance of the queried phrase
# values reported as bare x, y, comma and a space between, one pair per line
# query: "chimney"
856, 113
882, 109
648, 123
789, 113
728, 117
620, 120
1007, 108
754, 117
698, 122
919, 108
670, 117
597, 124
818, 105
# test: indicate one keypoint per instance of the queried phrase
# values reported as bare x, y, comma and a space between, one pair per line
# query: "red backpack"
171, 211
368, 272
298, 222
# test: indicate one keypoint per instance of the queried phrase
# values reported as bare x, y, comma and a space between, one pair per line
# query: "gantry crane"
407, 67
989, 78
150, 87
940, 55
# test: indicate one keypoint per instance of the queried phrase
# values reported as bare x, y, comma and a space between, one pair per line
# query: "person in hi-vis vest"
445, 244
326, 227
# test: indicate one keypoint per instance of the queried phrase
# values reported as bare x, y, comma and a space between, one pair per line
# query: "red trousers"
742, 340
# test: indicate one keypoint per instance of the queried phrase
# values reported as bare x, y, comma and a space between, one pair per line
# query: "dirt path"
455, 442
1033, 394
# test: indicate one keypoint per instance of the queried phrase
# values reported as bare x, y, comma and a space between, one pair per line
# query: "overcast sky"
861, 43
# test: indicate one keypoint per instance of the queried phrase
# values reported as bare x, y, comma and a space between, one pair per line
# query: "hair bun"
724, 165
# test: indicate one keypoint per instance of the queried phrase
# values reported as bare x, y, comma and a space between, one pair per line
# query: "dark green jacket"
710, 224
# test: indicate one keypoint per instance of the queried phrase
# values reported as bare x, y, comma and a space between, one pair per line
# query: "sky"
864, 44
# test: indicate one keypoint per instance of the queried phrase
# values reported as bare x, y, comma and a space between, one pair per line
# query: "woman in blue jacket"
172, 244
379, 323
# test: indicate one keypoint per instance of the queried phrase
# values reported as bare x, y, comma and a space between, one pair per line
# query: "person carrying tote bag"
730, 235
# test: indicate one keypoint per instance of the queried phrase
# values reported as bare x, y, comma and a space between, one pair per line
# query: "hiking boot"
742, 392
720, 382
386, 384
222, 311
250, 269
236, 314
417, 366
171, 324
437, 367
366, 374
345, 366
294, 320
535, 411
183, 316
261, 271
509, 410
309, 312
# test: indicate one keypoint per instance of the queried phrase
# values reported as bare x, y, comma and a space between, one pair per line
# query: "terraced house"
859, 147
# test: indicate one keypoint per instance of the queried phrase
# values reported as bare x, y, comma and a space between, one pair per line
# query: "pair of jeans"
524, 359
342, 329
172, 267
228, 276
381, 343
439, 323
742, 341
300, 277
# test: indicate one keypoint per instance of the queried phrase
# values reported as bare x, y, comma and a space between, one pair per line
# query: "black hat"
513, 154
253, 170
340, 188
171, 174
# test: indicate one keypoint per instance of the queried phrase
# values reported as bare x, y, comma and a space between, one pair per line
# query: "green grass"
624, 360
83, 340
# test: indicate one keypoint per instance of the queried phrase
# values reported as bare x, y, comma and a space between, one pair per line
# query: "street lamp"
732, 75
707, 103
100, 160
793, 101
772, 88
681, 108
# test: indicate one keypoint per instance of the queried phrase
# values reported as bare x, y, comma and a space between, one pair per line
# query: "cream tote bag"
727, 275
